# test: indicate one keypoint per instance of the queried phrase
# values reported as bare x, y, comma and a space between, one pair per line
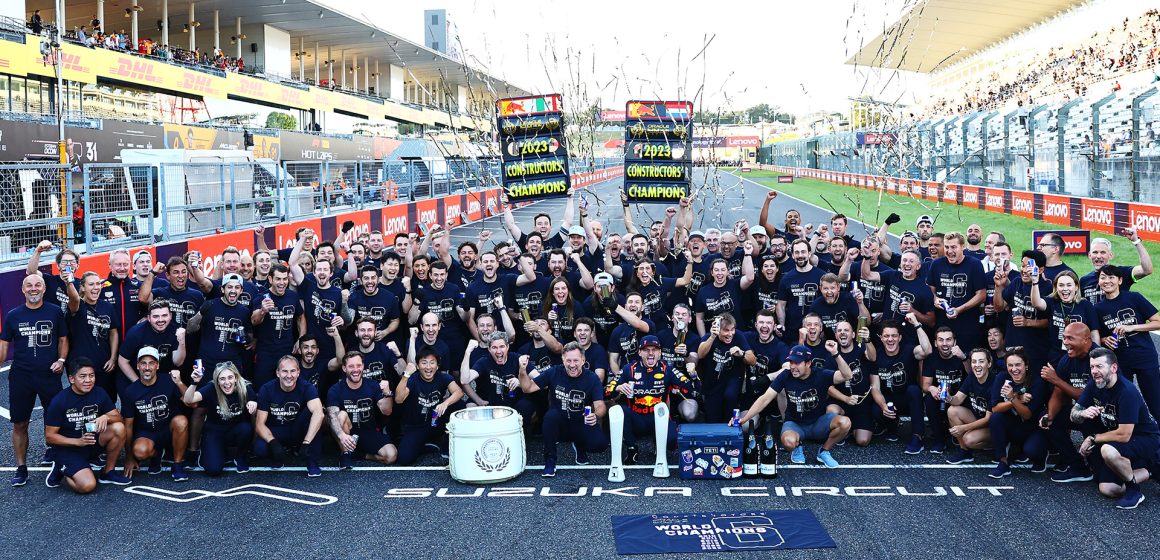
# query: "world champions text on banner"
657, 151
535, 157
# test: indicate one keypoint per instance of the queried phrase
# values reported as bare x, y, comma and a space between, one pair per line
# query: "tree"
282, 121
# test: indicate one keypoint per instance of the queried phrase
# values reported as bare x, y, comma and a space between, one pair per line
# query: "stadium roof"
300, 18
938, 33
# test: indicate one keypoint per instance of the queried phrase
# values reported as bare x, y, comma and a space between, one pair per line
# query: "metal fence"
1105, 148
129, 205
33, 207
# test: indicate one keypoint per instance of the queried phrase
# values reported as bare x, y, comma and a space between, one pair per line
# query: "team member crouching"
230, 405
289, 415
355, 409
1017, 401
573, 390
1124, 449
806, 416
646, 382
856, 398
497, 379
969, 410
79, 422
426, 400
154, 419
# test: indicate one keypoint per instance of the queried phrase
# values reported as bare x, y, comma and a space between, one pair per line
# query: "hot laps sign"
535, 157
657, 158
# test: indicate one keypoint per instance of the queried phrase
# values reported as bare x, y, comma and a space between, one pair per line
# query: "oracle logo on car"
1075, 241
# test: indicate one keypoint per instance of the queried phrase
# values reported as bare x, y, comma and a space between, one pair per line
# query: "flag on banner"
719, 532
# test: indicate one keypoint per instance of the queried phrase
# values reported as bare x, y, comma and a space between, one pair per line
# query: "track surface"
880, 504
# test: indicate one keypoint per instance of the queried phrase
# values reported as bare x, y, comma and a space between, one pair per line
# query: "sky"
720, 55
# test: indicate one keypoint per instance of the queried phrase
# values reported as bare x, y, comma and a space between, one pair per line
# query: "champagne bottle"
751, 456
768, 461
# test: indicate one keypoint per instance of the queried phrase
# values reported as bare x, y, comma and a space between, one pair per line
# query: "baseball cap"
230, 278
924, 218
799, 354
141, 253
757, 230
148, 351
697, 233
577, 230
650, 341
603, 279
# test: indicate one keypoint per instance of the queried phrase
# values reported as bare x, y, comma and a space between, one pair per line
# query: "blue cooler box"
709, 450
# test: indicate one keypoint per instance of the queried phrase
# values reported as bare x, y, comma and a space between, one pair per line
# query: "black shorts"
23, 391
1141, 451
73, 460
370, 440
861, 415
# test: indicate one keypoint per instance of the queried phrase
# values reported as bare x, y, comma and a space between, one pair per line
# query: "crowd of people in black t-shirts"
958, 344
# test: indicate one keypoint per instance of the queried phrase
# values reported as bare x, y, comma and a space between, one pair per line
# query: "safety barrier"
1108, 216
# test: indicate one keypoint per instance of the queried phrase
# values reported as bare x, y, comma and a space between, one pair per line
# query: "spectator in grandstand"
1125, 440
231, 402
289, 417
36, 23
94, 333
79, 423
575, 404
154, 419
355, 408
1100, 253
1126, 319
806, 414
37, 334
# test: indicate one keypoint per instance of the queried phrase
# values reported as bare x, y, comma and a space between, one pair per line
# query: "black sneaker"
154, 464
630, 455
1039, 466
1132, 497
21, 476
193, 459
581, 455
55, 476
549, 468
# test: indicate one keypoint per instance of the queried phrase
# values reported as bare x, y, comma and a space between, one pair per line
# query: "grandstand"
299, 56
1077, 115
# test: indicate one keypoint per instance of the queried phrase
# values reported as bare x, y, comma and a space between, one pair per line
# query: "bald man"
38, 336
1068, 377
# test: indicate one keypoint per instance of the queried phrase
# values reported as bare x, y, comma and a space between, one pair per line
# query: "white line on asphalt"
387, 468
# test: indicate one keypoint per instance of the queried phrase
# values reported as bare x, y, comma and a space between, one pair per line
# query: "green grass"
947, 218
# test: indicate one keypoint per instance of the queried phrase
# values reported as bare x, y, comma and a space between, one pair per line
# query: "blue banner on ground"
718, 532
